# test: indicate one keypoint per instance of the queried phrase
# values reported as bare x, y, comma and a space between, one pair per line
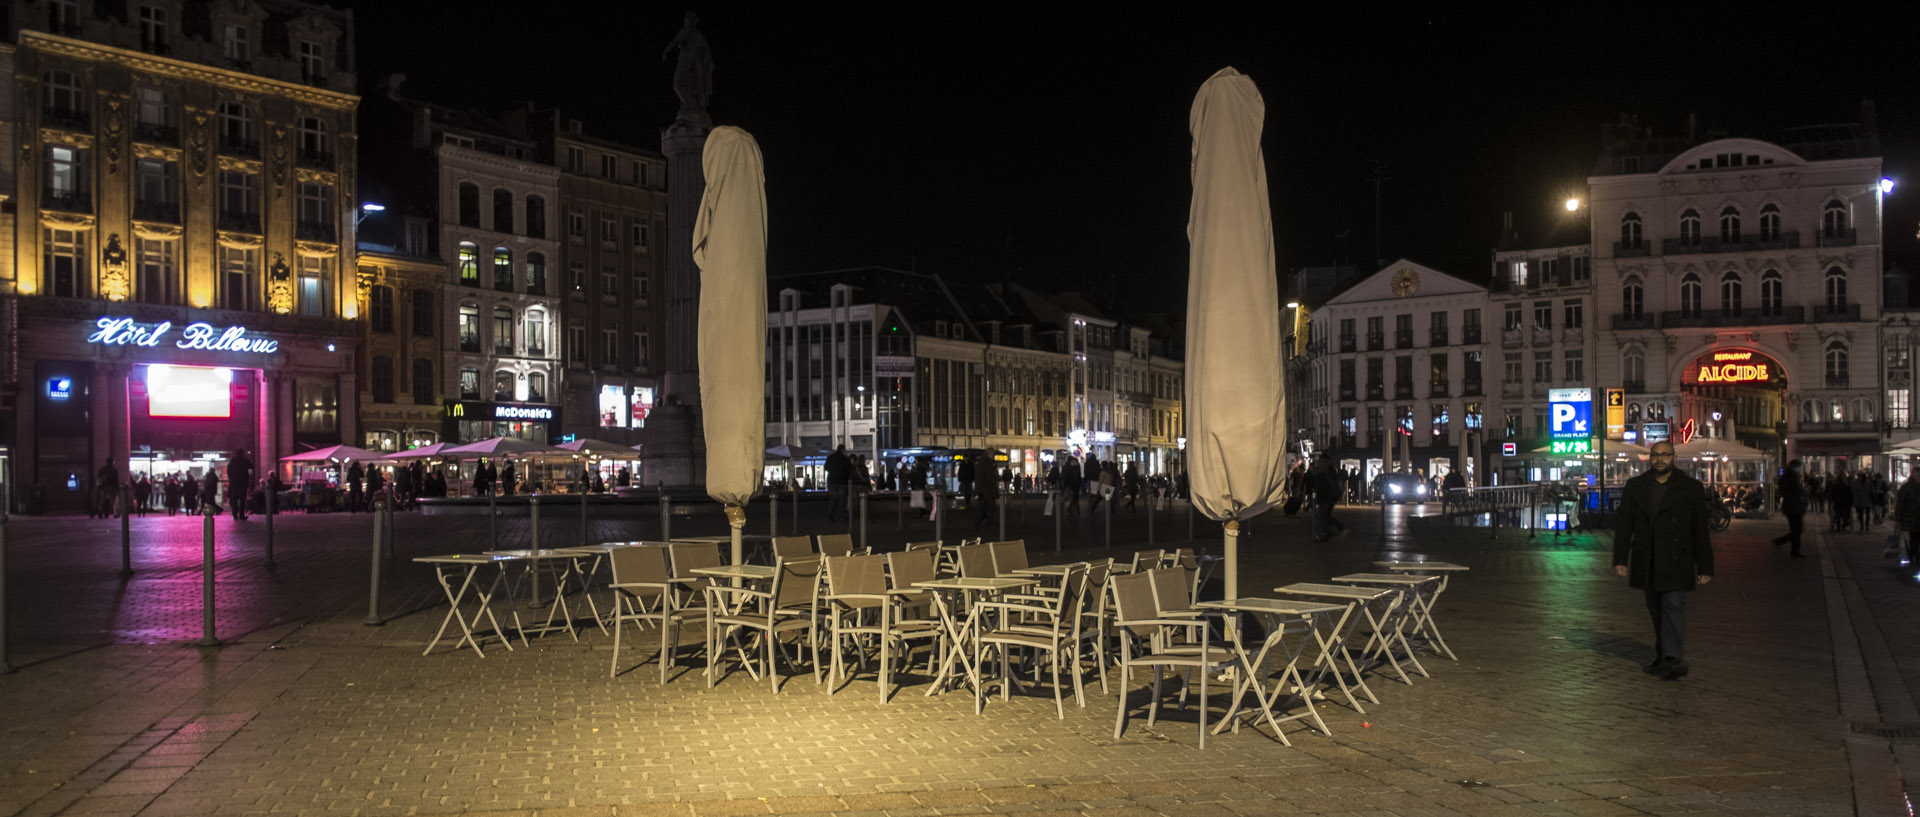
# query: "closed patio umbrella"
1236, 426
730, 247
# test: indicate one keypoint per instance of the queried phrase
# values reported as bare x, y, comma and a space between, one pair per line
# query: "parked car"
1400, 487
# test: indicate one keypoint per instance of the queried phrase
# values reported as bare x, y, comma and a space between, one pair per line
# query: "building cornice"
454, 155
181, 69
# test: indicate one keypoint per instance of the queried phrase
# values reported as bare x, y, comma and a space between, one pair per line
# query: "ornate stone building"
182, 169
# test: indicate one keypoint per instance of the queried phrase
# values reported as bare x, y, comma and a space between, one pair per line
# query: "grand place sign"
110, 331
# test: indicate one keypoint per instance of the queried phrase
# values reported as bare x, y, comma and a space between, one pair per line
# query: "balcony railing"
1346, 392
1836, 381
162, 211
1402, 391
1844, 426
72, 201
1346, 343
1511, 338
235, 146
240, 222
1836, 312
1470, 335
1634, 386
1836, 238
1376, 341
1439, 390
537, 286
1403, 340
314, 231
1540, 388
1640, 321
1470, 388
1376, 391
1572, 335
66, 118
317, 159
1437, 337
1542, 337
1673, 319
1639, 248
1784, 241
469, 344
503, 284
156, 134
1512, 389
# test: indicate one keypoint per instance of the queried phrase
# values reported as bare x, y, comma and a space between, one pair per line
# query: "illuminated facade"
1768, 251
400, 359
178, 169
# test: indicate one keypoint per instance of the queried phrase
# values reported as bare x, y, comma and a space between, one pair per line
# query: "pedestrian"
509, 479
964, 475
403, 485
107, 484
1881, 493
239, 479
1072, 481
1863, 500
1839, 502
142, 491
1131, 483
1663, 549
170, 494
354, 475
1323, 482
839, 475
210, 491
1906, 515
1793, 503
989, 496
1102, 479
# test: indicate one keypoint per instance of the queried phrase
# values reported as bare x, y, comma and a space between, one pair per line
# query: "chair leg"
886, 654
1079, 685
1120, 710
1059, 708
773, 673
833, 677
1153, 703
1203, 707
613, 666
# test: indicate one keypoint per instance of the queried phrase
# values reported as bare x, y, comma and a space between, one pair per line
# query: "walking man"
839, 477
1662, 548
1793, 503
1906, 515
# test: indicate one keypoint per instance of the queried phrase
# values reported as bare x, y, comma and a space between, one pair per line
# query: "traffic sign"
1570, 413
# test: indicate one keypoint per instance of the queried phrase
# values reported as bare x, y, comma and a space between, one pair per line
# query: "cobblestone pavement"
1798, 704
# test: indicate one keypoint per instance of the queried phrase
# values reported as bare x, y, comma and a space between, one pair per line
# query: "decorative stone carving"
241, 241
280, 158
112, 131
280, 297
236, 163
347, 156
1793, 339
308, 175
67, 221
114, 282
156, 232
142, 150
315, 248
199, 145
77, 141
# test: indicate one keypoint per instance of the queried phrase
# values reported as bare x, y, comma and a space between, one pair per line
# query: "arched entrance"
1736, 394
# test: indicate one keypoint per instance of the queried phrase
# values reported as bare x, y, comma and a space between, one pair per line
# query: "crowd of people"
352, 489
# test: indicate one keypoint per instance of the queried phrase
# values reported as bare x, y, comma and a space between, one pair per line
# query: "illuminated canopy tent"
334, 453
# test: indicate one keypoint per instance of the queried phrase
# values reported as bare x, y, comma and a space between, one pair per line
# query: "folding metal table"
467, 565
1273, 614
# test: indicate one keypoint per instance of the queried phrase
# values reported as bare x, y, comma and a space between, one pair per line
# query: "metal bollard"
373, 586
1106, 522
1053, 497
493, 516
533, 567
863, 519
666, 517
273, 500
206, 578
849, 508
1153, 500
126, 532
386, 510
939, 518
583, 518
773, 514
1000, 510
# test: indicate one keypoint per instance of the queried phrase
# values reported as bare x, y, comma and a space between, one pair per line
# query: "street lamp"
368, 209
1573, 203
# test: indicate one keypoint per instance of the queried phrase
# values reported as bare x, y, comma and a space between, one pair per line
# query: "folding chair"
644, 592
1142, 628
1046, 625
975, 561
1144, 560
792, 547
786, 607
835, 544
857, 589
1008, 556
1091, 627
933, 546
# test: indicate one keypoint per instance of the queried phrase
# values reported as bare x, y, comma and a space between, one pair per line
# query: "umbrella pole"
1232, 528
736, 520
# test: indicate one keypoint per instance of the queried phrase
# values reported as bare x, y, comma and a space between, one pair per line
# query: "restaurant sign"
110, 331
1731, 367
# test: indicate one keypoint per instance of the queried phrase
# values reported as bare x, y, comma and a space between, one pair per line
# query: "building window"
313, 63
1517, 275
502, 211
469, 263
1836, 289
1633, 301
536, 387
609, 166
239, 201
240, 282
1511, 371
536, 217
502, 330
642, 350
316, 207
66, 263
1575, 363
423, 319
1833, 222
1771, 289
576, 160
610, 347
316, 147
317, 406
1630, 231
469, 204
536, 273
1730, 225
63, 17
64, 98
1836, 364
380, 308
1899, 351
640, 236
503, 385
640, 174
469, 328
64, 175
422, 381
1543, 367
382, 379
610, 281
236, 127
1440, 422
157, 186
315, 277
1690, 296
1730, 290
1543, 315
1770, 223
237, 47
1633, 369
469, 383
1582, 269
503, 269
153, 29
1576, 313
153, 113
609, 230
576, 346
640, 289
1510, 317
1690, 228
577, 278
536, 333
1899, 408
156, 270
576, 224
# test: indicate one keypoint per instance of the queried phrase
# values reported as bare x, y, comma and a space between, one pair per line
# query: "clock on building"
1406, 282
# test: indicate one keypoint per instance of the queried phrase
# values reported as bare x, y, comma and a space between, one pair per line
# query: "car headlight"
1423, 490
1394, 488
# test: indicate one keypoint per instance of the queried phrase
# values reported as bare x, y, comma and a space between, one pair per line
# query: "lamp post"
367, 209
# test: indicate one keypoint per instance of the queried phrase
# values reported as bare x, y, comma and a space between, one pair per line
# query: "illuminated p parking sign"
1570, 414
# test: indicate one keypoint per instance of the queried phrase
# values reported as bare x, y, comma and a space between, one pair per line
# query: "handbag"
916, 500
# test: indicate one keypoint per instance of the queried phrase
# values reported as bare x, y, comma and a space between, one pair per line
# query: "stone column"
676, 444
266, 455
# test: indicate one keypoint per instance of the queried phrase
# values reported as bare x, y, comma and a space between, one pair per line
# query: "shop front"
160, 391
468, 421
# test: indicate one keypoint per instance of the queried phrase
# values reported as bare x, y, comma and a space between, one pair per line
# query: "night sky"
1051, 147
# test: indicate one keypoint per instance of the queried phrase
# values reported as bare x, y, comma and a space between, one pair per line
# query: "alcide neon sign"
124, 332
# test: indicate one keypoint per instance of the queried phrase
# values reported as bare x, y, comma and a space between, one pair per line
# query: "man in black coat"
839, 480
1661, 546
1793, 503
239, 482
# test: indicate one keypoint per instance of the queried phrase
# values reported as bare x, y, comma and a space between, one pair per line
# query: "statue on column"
693, 75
